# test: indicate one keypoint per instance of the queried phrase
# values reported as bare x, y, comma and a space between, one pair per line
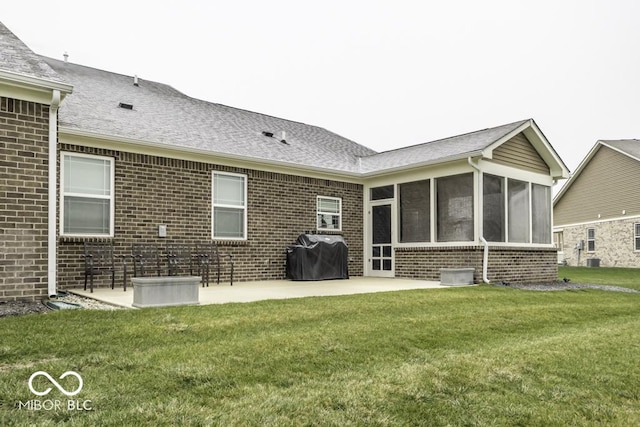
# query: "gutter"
485, 257
52, 230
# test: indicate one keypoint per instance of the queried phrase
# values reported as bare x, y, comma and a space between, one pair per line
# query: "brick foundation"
513, 265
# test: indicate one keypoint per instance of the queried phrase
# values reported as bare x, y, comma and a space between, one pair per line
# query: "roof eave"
351, 176
30, 82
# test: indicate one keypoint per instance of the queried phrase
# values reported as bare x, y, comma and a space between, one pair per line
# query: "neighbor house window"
493, 208
329, 213
415, 211
637, 236
229, 215
86, 193
540, 213
454, 205
591, 239
518, 207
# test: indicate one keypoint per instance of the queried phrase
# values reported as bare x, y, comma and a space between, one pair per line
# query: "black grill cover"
318, 257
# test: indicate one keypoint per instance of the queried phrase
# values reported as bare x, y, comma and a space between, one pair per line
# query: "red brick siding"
513, 265
24, 130
153, 190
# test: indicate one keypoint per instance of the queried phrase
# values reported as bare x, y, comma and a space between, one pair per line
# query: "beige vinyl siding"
519, 152
607, 185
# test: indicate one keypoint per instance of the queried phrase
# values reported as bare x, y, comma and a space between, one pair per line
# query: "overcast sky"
385, 74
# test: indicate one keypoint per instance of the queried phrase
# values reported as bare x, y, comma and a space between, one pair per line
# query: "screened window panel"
228, 190
381, 193
518, 200
493, 208
228, 222
455, 208
86, 215
381, 224
541, 213
85, 175
637, 236
415, 211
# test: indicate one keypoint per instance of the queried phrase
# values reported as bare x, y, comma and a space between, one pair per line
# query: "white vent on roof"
135, 80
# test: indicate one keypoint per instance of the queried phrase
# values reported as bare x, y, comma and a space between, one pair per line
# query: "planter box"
165, 291
456, 276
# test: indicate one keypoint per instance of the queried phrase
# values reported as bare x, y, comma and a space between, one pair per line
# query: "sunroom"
447, 214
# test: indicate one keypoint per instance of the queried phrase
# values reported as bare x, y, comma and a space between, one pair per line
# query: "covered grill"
318, 257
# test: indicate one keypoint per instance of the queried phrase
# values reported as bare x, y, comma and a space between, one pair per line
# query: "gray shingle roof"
629, 146
164, 115
18, 58
438, 151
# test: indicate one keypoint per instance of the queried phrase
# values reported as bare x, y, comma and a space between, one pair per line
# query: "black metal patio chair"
99, 257
146, 259
208, 256
180, 259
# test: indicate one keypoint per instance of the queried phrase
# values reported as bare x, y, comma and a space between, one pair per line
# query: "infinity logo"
55, 383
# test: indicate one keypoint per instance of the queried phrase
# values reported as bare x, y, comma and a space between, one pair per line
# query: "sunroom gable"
520, 153
527, 148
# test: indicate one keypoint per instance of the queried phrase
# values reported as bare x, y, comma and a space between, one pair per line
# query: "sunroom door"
380, 257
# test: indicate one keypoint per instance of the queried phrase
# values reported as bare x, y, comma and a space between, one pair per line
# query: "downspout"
485, 257
53, 168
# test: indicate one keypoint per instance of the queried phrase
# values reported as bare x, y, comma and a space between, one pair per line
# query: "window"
229, 215
493, 208
518, 205
591, 239
329, 213
637, 236
86, 193
455, 208
540, 213
381, 193
415, 211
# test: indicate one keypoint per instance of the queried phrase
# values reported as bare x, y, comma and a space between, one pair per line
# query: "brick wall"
614, 243
513, 265
24, 130
153, 190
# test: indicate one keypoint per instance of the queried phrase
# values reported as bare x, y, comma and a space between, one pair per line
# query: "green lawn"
626, 277
461, 356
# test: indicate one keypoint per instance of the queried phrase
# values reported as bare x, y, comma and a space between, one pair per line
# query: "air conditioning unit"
593, 262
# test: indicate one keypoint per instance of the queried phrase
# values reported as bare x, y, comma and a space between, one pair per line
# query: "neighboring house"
92, 155
597, 212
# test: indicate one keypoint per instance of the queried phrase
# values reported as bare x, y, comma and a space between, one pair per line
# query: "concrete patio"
273, 289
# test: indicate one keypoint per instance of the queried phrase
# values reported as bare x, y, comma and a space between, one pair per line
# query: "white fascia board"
93, 139
29, 88
416, 166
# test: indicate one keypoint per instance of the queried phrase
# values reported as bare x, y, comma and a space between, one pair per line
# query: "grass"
625, 277
461, 356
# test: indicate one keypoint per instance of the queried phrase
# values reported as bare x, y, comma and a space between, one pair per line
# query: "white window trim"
110, 197
244, 207
319, 212
591, 240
